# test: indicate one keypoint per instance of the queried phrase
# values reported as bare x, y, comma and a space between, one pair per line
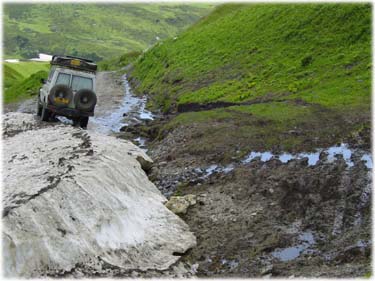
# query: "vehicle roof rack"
79, 58
74, 63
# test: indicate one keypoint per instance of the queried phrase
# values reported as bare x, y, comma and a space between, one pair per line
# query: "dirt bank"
265, 216
273, 218
299, 207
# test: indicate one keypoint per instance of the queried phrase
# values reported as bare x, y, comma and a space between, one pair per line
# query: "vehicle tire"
39, 108
75, 121
85, 100
60, 93
45, 114
83, 122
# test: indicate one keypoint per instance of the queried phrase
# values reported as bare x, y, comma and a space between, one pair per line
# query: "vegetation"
318, 53
294, 77
17, 82
10, 75
119, 62
95, 31
26, 88
16, 72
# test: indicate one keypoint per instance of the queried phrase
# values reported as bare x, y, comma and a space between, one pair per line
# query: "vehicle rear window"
79, 82
63, 78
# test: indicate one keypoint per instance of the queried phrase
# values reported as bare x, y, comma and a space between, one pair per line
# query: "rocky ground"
263, 217
268, 218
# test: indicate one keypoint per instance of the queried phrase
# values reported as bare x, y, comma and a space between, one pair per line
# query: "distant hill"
95, 31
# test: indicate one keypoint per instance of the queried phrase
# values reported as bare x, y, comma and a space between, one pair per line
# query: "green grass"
276, 111
119, 62
26, 68
26, 88
18, 79
299, 76
96, 31
11, 76
320, 53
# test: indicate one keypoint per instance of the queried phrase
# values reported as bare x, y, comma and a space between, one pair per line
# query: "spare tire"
60, 95
85, 100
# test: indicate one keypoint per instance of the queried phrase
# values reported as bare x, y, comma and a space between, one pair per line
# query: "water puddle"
141, 143
340, 150
368, 160
64, 120
132, 109
306, 240
213, 169
232, 264
313, 157
264, 156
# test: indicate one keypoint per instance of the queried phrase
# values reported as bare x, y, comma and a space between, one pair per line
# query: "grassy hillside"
293, 76
10, 75
25, 88
16, 76
119, 62
14, 72
320, 53
92, 30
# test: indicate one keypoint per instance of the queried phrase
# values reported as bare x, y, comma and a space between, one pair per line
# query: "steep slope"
11, 76
289, 76
22, 79
92, 30
267, 120
24, 88
320, 53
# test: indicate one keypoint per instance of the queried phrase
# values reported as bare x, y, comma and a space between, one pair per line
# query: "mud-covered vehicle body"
69, 90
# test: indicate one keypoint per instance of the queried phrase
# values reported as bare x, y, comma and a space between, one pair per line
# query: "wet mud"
265, 214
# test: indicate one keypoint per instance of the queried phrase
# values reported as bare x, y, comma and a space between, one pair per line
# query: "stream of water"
132, 110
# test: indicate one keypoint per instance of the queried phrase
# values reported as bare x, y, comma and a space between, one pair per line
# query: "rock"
180, 204
146, 162
194, 268
67, 210
266, 270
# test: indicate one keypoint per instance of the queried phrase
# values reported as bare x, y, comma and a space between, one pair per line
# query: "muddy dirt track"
263, 217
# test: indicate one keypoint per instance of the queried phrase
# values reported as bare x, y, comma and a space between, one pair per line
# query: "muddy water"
306, 239
131, 110
117, 107
313, 157
331, 154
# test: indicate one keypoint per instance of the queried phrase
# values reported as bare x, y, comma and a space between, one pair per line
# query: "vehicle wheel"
85, 100
45, 114
75, 121
83, 122
39, 108
60, 95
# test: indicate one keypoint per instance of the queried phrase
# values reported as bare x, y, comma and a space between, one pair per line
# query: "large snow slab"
73, 198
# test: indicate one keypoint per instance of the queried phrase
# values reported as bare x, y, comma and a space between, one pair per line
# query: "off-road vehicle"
69, 90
